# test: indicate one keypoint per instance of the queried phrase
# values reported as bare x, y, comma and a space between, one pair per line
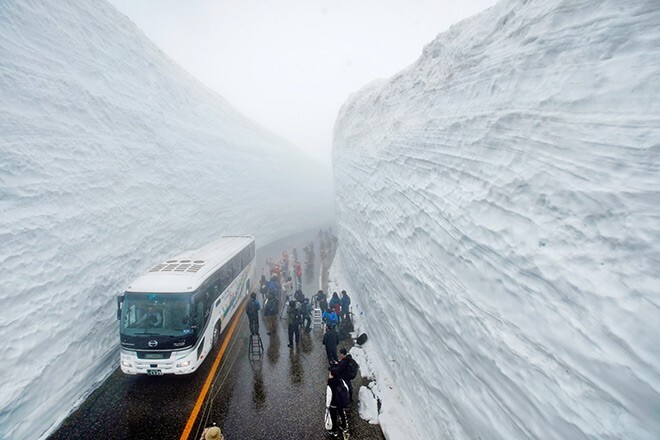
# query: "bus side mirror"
120, 301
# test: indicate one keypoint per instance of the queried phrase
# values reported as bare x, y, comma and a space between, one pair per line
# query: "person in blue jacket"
330, 318
252, 310
345, 304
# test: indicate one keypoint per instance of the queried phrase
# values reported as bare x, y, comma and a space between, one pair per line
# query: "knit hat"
213, 433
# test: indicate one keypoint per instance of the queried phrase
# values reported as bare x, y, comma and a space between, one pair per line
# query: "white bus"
171, 317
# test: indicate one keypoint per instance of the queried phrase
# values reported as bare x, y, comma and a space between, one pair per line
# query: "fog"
289, 65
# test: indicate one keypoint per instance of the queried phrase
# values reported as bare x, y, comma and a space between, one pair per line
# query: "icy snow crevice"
497, 209
112, 158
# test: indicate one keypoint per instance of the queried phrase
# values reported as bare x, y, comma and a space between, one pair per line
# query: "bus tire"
216, 335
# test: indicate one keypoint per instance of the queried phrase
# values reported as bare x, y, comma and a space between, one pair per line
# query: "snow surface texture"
498, 210
112, 158
393, 417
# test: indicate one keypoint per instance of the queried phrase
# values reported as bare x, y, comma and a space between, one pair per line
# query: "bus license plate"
155, 372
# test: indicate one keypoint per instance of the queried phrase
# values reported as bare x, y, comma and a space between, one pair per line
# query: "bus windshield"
156, 314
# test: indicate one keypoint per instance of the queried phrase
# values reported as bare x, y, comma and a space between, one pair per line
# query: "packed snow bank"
111, 159
498, 215
392, 415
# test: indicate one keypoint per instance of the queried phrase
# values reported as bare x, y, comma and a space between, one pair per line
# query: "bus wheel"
216, 335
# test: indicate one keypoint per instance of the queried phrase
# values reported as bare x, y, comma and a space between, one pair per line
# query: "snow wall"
498, 210
112, 158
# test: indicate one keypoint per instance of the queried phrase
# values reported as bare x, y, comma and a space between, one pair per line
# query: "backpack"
342, 394
271, 307
349, 324
353, 368
249, 310
344, 330
298, 318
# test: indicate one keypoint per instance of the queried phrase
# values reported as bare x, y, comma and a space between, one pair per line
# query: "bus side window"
214, 291
208, 300
200, 314
233, 265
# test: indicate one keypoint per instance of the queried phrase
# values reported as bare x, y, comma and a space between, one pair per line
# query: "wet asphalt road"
278, 395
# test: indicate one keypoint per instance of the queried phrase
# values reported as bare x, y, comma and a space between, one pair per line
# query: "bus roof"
186, 271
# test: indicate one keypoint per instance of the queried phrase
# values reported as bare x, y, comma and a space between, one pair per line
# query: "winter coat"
331, 340
292, 315
345, 302
330, 395
306, 309
342, 370
255, 306
334, 301
270, 308
330, 318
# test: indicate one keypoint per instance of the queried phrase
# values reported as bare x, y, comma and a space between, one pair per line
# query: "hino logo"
152, 343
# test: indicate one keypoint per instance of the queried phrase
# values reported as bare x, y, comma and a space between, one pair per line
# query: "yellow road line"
209, 379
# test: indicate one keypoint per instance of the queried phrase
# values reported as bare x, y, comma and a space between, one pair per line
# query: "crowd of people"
339, 392
284, 280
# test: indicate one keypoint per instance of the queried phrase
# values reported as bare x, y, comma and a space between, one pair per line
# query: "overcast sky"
289, 65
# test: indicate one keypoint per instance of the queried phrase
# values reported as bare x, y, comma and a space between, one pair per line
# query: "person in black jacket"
331, 340
299, 296
270, 313
294, 320
334, 405
342, 370
322, 300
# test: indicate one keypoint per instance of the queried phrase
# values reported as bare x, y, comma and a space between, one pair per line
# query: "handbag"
328, 420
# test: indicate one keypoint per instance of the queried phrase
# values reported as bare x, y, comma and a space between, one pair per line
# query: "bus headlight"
183, 364
126, 364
